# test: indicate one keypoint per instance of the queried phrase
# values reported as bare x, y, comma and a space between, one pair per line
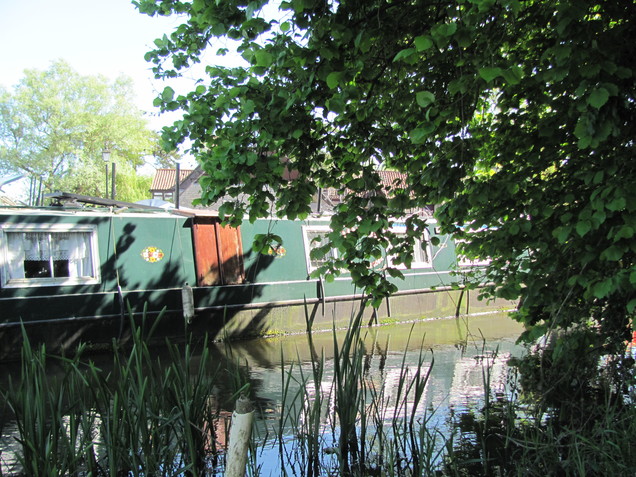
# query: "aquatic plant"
146, 417
163, 414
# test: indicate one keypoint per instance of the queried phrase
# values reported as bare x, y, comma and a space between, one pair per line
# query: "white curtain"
44, 246
73, 247
15, 246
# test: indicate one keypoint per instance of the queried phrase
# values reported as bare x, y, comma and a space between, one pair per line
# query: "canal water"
461, 356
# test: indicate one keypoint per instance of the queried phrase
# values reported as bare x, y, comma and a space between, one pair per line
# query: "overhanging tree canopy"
515, 117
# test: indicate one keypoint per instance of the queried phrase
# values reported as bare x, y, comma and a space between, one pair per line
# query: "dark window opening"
42, 269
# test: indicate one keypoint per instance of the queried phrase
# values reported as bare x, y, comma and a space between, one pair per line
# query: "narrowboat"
80, 269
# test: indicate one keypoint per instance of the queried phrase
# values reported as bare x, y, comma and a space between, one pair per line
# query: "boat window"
49, 255
463, 261
316, 237
422, 253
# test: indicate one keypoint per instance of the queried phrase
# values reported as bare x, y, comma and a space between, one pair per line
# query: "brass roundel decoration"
152, 254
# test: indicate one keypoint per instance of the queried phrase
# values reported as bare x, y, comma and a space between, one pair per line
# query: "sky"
95, 37
107, 37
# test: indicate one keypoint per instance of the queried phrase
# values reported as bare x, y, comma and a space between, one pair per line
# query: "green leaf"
602, 289
598, 98
333, 79
167, 94
419, 135
562, 233
458, 85
535, 332
513, 75
612, 254
336, 104
249, 106
584, 131
404, 54
625, 232
263, 58
395, 273
631, 305
616, 204
583, 227
598, 177
490, 73
423, 42
425, 98
443, 30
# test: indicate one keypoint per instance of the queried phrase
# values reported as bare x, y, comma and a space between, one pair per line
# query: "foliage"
162, 411
515, 118
55, 124
509, 440
142, 414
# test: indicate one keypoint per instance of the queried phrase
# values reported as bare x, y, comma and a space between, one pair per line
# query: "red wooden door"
230, 254
206, 254
218, 252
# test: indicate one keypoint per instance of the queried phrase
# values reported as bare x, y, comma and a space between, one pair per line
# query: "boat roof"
66, 202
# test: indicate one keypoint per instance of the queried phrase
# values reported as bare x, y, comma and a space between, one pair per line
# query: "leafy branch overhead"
515, 118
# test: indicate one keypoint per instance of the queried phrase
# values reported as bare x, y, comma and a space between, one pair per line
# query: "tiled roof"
392, 179
164, 179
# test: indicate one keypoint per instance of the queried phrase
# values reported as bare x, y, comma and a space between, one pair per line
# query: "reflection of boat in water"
474, 375
71, 272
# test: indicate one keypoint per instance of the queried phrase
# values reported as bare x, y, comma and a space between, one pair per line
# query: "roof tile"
164, 179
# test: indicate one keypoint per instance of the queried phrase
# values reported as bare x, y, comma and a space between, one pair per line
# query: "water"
458, 354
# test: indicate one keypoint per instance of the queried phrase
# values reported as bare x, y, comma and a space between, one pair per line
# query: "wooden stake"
240, 434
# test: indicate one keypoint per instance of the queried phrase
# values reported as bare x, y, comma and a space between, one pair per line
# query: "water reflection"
456, 356
456, 376
456, 361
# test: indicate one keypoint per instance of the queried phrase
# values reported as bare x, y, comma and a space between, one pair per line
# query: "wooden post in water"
240, 434
187, 299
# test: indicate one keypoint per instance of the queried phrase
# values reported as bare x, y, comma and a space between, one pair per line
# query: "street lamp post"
113, 182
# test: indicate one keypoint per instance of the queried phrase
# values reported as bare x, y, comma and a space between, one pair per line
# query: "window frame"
7, 282
307, 229
398, 230
462, 261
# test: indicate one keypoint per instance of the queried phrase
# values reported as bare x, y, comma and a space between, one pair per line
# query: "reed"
165, 416
146, 417
347, 423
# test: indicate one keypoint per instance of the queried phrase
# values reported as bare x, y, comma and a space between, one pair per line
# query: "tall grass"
349, 423
145, 417
358, 426
339, 416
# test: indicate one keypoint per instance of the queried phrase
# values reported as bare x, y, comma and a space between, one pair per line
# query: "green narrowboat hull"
144, 259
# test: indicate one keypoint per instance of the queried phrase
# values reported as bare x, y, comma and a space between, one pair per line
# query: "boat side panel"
137, 255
